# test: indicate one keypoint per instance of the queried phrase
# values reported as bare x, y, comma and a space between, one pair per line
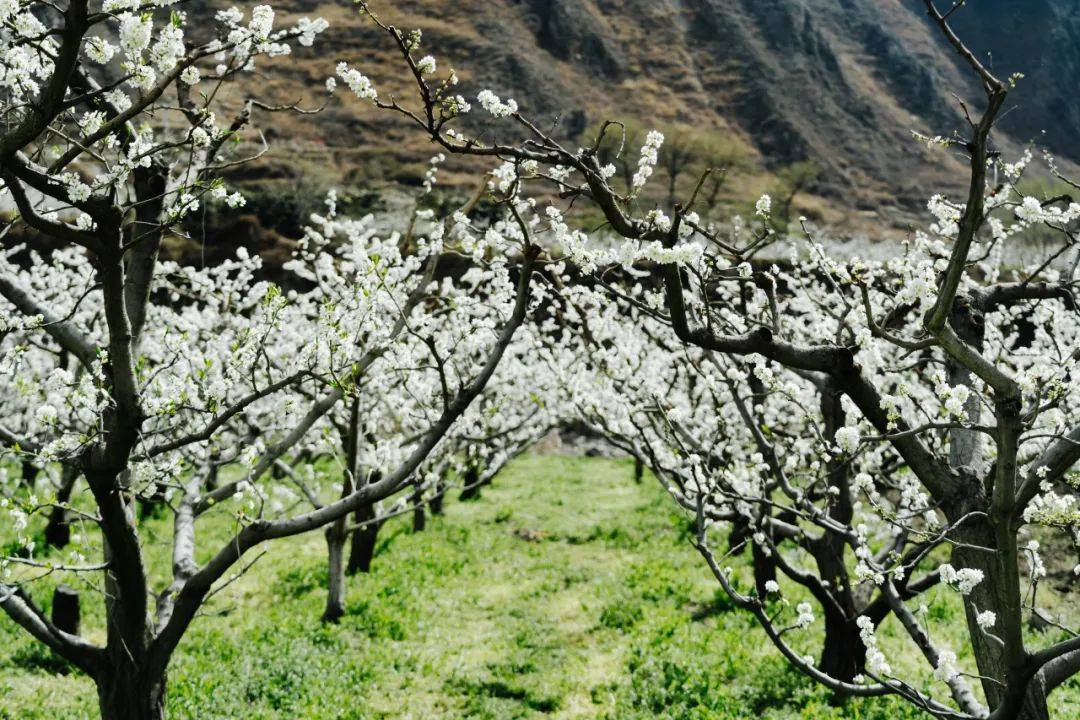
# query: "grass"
566, 591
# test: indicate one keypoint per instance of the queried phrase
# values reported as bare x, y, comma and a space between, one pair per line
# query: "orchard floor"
565, 591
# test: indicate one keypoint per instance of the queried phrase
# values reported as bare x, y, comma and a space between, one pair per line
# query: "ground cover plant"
566, 591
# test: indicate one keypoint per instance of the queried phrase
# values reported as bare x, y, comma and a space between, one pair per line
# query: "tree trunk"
764, 569
999, 590
211, 482
419, 518
471, 480
29, 473
639, 470
123, 694
65, 609
58, 530
844, 654
335, 588
436, 503
362, 549
993, 593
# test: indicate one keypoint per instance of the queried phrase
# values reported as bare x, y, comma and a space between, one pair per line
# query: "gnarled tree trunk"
124, 693
843, 655
997, 592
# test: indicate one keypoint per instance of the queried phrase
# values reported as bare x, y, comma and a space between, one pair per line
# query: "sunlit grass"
566, 591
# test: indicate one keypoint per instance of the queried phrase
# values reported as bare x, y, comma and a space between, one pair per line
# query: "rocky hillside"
839, 84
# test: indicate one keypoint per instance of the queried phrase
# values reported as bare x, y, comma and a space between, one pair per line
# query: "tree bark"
58, 530
124, 694
436, 503
999, 590
764, 569
844, 654
335, 588
419, 520
29, 473
994, 593
362, 549
65, 609
471, 480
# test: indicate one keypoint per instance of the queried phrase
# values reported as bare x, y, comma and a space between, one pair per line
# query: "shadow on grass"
503, 690
38, 658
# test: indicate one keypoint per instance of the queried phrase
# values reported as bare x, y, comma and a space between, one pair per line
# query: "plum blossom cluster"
497, 107
647, 162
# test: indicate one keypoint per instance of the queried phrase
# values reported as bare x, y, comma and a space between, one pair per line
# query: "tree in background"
187, 385
707, 157
914, 362
792, 179
722, 157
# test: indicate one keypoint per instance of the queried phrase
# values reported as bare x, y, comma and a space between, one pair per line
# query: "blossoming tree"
873, 428
178, 384
373, 430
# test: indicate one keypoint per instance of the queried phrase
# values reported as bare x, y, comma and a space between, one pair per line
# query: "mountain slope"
833, 82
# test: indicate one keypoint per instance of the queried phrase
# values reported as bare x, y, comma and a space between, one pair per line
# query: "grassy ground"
566, 591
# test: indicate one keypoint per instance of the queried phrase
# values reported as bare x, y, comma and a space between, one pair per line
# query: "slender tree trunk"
416, 499
436, 503
211, 482
335, 589
843, 655
337, 533
764, 569
58, 530
999, 590
126, 688
639, 470
66, 613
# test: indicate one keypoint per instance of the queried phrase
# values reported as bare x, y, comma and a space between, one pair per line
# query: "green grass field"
566, 591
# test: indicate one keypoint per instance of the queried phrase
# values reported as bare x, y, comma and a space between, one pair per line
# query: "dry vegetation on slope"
835, 84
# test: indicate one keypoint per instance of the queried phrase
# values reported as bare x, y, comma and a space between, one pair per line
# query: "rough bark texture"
993, 594
999, 589
123, 694
844, 654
